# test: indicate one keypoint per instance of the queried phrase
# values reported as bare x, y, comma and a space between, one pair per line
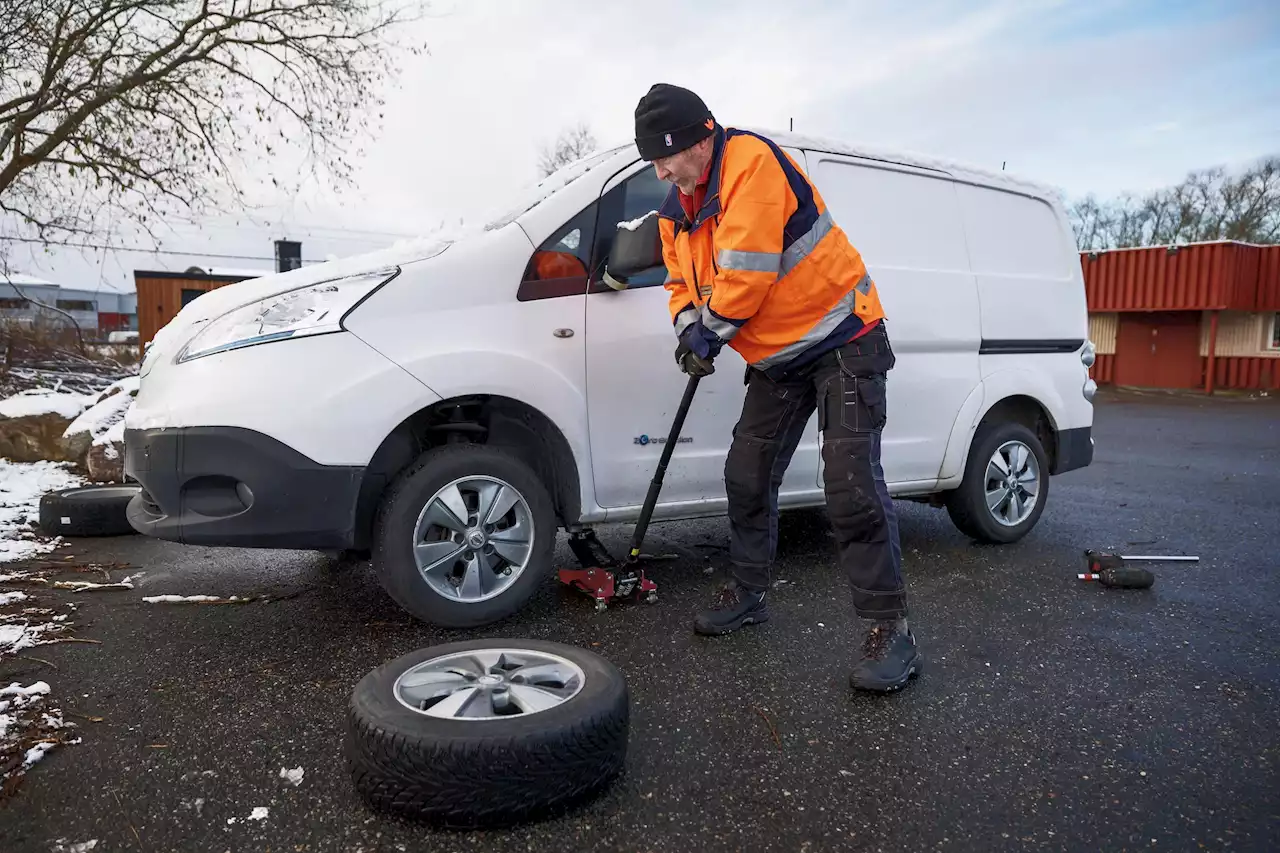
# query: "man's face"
685, 168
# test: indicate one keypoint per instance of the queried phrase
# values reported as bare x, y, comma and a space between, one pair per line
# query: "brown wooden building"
1204, 315
161, 295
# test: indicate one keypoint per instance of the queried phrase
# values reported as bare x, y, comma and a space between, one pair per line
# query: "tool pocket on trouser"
860, 509
859, 402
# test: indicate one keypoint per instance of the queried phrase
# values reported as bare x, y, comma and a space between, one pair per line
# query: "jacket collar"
673, 210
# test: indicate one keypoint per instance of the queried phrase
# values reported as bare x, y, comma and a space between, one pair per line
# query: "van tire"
98, 510
393, 558
967, 505
463, 773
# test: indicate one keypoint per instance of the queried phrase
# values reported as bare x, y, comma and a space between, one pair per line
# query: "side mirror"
636, 247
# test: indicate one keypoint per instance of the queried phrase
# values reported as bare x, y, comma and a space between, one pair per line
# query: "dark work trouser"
847, 388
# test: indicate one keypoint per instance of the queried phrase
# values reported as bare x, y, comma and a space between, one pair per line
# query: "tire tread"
387, 561
486, 780
96, 517
966, 505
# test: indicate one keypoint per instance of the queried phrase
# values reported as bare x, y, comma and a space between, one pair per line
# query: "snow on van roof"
530, 196
957, 169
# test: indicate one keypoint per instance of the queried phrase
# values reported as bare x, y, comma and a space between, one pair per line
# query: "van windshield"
528, 197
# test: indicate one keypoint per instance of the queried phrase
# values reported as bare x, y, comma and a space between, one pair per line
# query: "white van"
450, 405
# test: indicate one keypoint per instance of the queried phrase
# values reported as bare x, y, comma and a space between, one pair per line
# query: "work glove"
691, 363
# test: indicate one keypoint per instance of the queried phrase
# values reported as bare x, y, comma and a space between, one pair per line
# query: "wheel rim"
473, 539
489, 684
1012, 484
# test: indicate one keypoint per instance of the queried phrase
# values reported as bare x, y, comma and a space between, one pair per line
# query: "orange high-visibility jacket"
762, 267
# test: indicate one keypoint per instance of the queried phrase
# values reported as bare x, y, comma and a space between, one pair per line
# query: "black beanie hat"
670, 119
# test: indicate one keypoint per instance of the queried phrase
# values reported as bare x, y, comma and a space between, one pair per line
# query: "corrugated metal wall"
1203, 276
1104, 369
1268, 297
1247, 374
1102, 331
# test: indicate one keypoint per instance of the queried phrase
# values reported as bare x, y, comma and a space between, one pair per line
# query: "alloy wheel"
488, 684
473, 538
1012, 484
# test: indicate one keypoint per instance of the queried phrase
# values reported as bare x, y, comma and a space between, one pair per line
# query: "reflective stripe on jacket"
762, 267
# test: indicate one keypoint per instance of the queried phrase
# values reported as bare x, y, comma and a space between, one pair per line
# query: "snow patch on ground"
20, 695
15, 638
44, 401
26, 727
187, 599
37, 752
29, 726
259, 813
81, 586
21, 486
293, 777
64, 846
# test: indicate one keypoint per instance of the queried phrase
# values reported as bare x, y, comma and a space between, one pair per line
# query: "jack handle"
655, 486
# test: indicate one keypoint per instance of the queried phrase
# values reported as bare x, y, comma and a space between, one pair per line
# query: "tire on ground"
490, 772
967, 504
393, 559
88, 511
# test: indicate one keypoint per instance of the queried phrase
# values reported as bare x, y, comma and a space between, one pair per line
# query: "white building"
25, 298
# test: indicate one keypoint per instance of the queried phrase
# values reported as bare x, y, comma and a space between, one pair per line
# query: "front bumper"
237, 487
1075, 449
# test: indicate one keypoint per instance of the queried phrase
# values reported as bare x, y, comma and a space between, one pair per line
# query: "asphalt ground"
1052, 714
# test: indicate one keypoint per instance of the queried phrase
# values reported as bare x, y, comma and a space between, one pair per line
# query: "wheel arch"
488, 419
1007, 395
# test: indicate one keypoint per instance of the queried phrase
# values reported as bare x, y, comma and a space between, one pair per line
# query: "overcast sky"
1094, 96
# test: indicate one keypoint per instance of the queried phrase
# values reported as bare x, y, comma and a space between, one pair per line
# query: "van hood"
219, 301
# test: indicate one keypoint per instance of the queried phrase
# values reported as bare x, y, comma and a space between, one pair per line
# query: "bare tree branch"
572, 144
1208, 205
113, 112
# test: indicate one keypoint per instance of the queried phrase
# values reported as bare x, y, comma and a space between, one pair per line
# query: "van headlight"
316, 309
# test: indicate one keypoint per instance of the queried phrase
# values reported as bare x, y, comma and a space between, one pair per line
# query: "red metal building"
1205, 315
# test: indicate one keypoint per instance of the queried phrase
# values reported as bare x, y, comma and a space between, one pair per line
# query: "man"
756, 262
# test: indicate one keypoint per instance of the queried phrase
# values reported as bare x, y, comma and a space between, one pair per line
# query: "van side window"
638, 195
559, 266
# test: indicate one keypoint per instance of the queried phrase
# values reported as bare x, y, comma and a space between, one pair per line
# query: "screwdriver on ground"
1124, 578
1110, 569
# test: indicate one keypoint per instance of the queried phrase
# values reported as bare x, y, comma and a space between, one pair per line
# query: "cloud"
1090, 95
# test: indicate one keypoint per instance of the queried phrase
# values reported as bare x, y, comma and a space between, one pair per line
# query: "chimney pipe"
288, 255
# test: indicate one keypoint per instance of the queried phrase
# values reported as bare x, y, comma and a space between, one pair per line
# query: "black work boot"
889, 659
734, 607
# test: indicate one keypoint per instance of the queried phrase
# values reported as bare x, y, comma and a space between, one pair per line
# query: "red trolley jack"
602, 577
